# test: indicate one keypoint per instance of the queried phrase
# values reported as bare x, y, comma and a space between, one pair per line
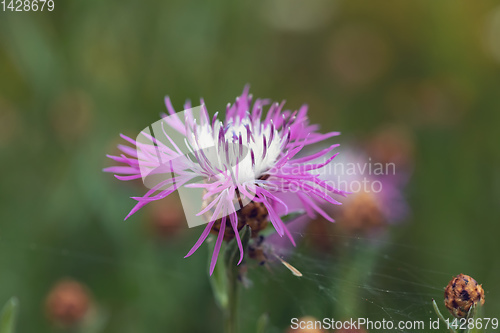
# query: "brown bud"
361, 214
392, 144
228, 232
254, 214
166, 218
67, 303
319, 234
461, 294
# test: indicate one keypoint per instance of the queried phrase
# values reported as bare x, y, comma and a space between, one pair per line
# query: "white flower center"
256, 140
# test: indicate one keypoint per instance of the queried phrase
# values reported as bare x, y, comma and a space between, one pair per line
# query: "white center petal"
228, 154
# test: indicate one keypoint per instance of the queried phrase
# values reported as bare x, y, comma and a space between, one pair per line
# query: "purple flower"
375, 192
249, 158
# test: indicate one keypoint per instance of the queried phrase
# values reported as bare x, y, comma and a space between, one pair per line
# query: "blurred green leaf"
291, 216
8, 316
96, 321
269, 230
262, 323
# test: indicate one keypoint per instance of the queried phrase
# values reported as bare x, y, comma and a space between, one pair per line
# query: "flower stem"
231, 313
232, 280
357, 263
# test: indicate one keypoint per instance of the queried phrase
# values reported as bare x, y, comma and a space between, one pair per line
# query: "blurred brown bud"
67, 303
320, 233
297, 15
166, 217
254, 214
461, 294
360, 214
440, 102
392, 144
359, 55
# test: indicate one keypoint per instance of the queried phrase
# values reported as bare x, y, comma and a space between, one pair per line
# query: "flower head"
246, 164
375, 188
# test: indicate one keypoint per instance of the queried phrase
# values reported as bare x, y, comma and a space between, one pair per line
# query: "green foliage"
8, 316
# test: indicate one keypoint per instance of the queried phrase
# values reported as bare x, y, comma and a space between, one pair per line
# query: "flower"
249, 159
461, 294
375, 188
375, 199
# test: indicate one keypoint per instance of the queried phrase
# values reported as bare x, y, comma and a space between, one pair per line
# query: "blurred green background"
71, 80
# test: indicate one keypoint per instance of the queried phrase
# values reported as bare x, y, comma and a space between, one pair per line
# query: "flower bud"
361, 213
461, 294
166, 218
67, 303
254, 214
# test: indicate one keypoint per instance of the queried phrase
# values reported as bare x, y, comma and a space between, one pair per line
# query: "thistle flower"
248, 159
376, 186
375, 198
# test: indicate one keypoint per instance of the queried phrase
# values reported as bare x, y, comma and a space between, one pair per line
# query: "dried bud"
67, 303
461, 294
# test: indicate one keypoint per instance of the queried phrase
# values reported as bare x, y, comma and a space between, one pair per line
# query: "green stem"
231, 313
225, 280
357, 264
